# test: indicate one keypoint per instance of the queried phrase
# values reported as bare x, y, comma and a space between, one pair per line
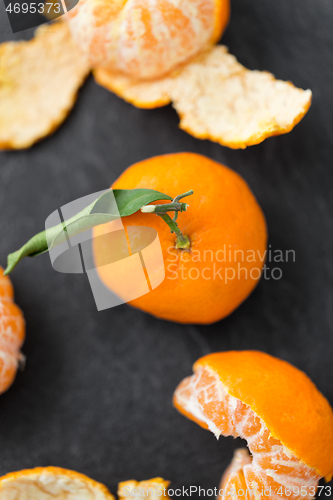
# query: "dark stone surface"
96, 392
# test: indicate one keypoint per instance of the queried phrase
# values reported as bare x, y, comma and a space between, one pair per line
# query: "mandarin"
146, 39
51, 483
227, 235
286, 421
12, 333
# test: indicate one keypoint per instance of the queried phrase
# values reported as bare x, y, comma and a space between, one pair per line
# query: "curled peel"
219, 99
39, 81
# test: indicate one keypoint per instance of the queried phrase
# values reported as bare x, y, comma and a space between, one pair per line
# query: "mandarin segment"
285, 471
12, 334
145, 39
142, 94
39, 81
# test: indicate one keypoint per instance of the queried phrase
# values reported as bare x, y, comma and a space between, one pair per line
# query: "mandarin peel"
144, 39
152, 489
218, 99
55, 483
218, 397
46, 483
40, 79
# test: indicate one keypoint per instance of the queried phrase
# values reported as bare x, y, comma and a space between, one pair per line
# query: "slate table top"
95, 395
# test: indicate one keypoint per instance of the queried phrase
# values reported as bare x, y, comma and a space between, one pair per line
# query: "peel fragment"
51, 483
54, 483
217, 98
153, 489
142, 94
39, 81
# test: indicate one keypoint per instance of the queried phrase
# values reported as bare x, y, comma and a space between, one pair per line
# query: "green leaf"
99, 212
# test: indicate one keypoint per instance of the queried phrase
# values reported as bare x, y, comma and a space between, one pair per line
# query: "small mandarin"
224, 224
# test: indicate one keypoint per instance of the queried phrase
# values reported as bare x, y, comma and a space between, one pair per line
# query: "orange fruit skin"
222, 212
222, 18
6, 287
12, 333
146, 39
284, 397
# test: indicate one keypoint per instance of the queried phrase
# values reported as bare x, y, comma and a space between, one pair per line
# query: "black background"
96, 392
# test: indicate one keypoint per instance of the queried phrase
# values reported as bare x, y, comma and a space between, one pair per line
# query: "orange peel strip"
217, 98
39, 81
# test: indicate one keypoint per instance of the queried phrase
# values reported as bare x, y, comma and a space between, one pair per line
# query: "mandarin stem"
182, 241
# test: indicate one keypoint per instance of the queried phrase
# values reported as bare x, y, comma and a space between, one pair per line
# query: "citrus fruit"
51, 483
217, 98
226, 231
12, 333
286, 421
146, 39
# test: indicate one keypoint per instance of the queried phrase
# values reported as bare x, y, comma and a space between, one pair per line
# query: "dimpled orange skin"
222, 212
12, 333
284, 397
146, 39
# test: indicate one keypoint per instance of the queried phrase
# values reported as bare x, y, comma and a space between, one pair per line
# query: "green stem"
182, 240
